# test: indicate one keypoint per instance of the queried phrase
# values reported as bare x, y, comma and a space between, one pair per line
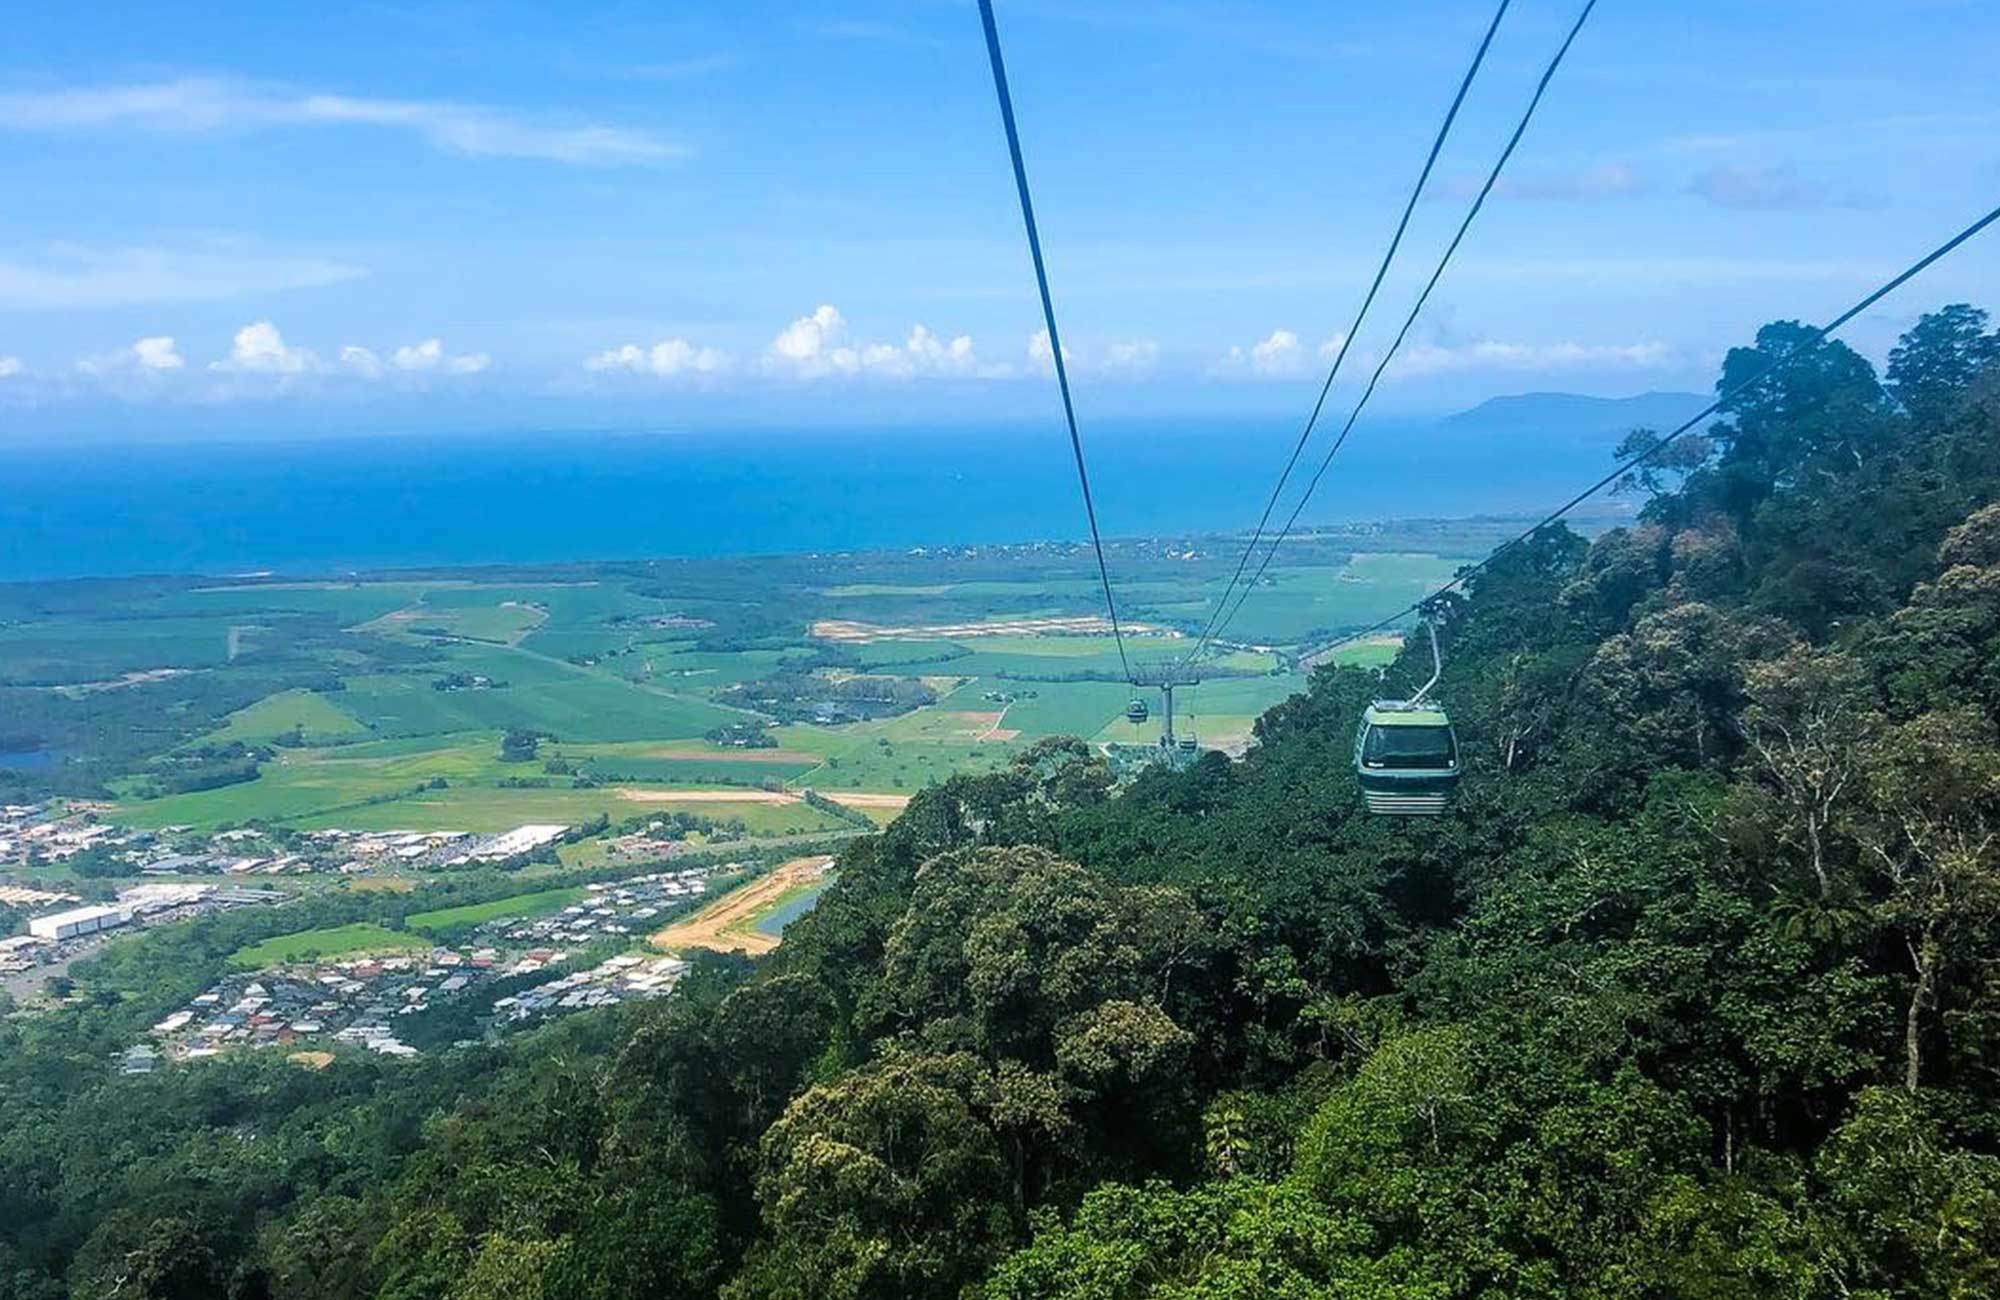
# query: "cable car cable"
1049, 315
1381, 271
1472, 213
1815, 337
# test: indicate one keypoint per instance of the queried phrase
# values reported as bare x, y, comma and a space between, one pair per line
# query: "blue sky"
379, 217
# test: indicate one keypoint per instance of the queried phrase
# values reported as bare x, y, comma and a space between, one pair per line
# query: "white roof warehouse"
76, 921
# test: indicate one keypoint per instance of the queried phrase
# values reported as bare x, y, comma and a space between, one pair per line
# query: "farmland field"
381, 703
486, 809
523, 906
334, 941
310, 715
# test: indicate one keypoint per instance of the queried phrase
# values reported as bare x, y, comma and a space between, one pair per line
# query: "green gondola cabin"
1406, 758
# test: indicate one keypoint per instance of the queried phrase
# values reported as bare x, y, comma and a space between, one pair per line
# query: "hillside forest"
1693, 994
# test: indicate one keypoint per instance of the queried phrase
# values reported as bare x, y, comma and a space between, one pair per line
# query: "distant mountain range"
1575, 416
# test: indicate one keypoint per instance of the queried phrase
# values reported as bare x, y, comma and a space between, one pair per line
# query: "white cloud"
813, 347
1280, 353
261, 363
259, 348
429, 355
925, 354
1276, 355
1435, 358
1779, 187
157, 353
808, 342
67, 276
153, 355
199, 104
627, 356
1123, 359
1132, 357
11, 366
1041, 356
667, 359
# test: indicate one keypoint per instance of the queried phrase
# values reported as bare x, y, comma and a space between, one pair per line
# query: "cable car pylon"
1166, 677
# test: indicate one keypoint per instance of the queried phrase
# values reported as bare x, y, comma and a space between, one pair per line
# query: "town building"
58, 926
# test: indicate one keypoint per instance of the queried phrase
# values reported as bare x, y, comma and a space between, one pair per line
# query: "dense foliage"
1692, 995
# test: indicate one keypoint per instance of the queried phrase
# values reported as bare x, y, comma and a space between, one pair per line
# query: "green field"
76, 649
385, 785
307, 712
570, 701
402, 688
524, 906
335, 941
505, 624
478, 809
906, 767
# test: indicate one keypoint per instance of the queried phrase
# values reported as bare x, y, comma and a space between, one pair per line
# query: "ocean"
330, 506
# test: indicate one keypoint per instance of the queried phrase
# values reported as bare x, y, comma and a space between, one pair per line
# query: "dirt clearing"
896, 801
859, 633
736, 755
726, 924
746, 795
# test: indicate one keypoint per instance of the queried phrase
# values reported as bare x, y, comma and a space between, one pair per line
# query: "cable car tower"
1167, 677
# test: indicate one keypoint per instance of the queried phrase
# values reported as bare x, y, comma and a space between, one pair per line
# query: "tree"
1935, 790
506, 1268
880, 1184
169, 1258
1806, 721
1673, 684
421, 1256
1941, 645
1932, 367
1237, 1239
998, 949
656, 1239
1913, 1212
1821, 409
1225, 1139
1648, 473
1621, 569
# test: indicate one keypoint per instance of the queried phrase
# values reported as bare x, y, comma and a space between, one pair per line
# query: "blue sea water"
328, 506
